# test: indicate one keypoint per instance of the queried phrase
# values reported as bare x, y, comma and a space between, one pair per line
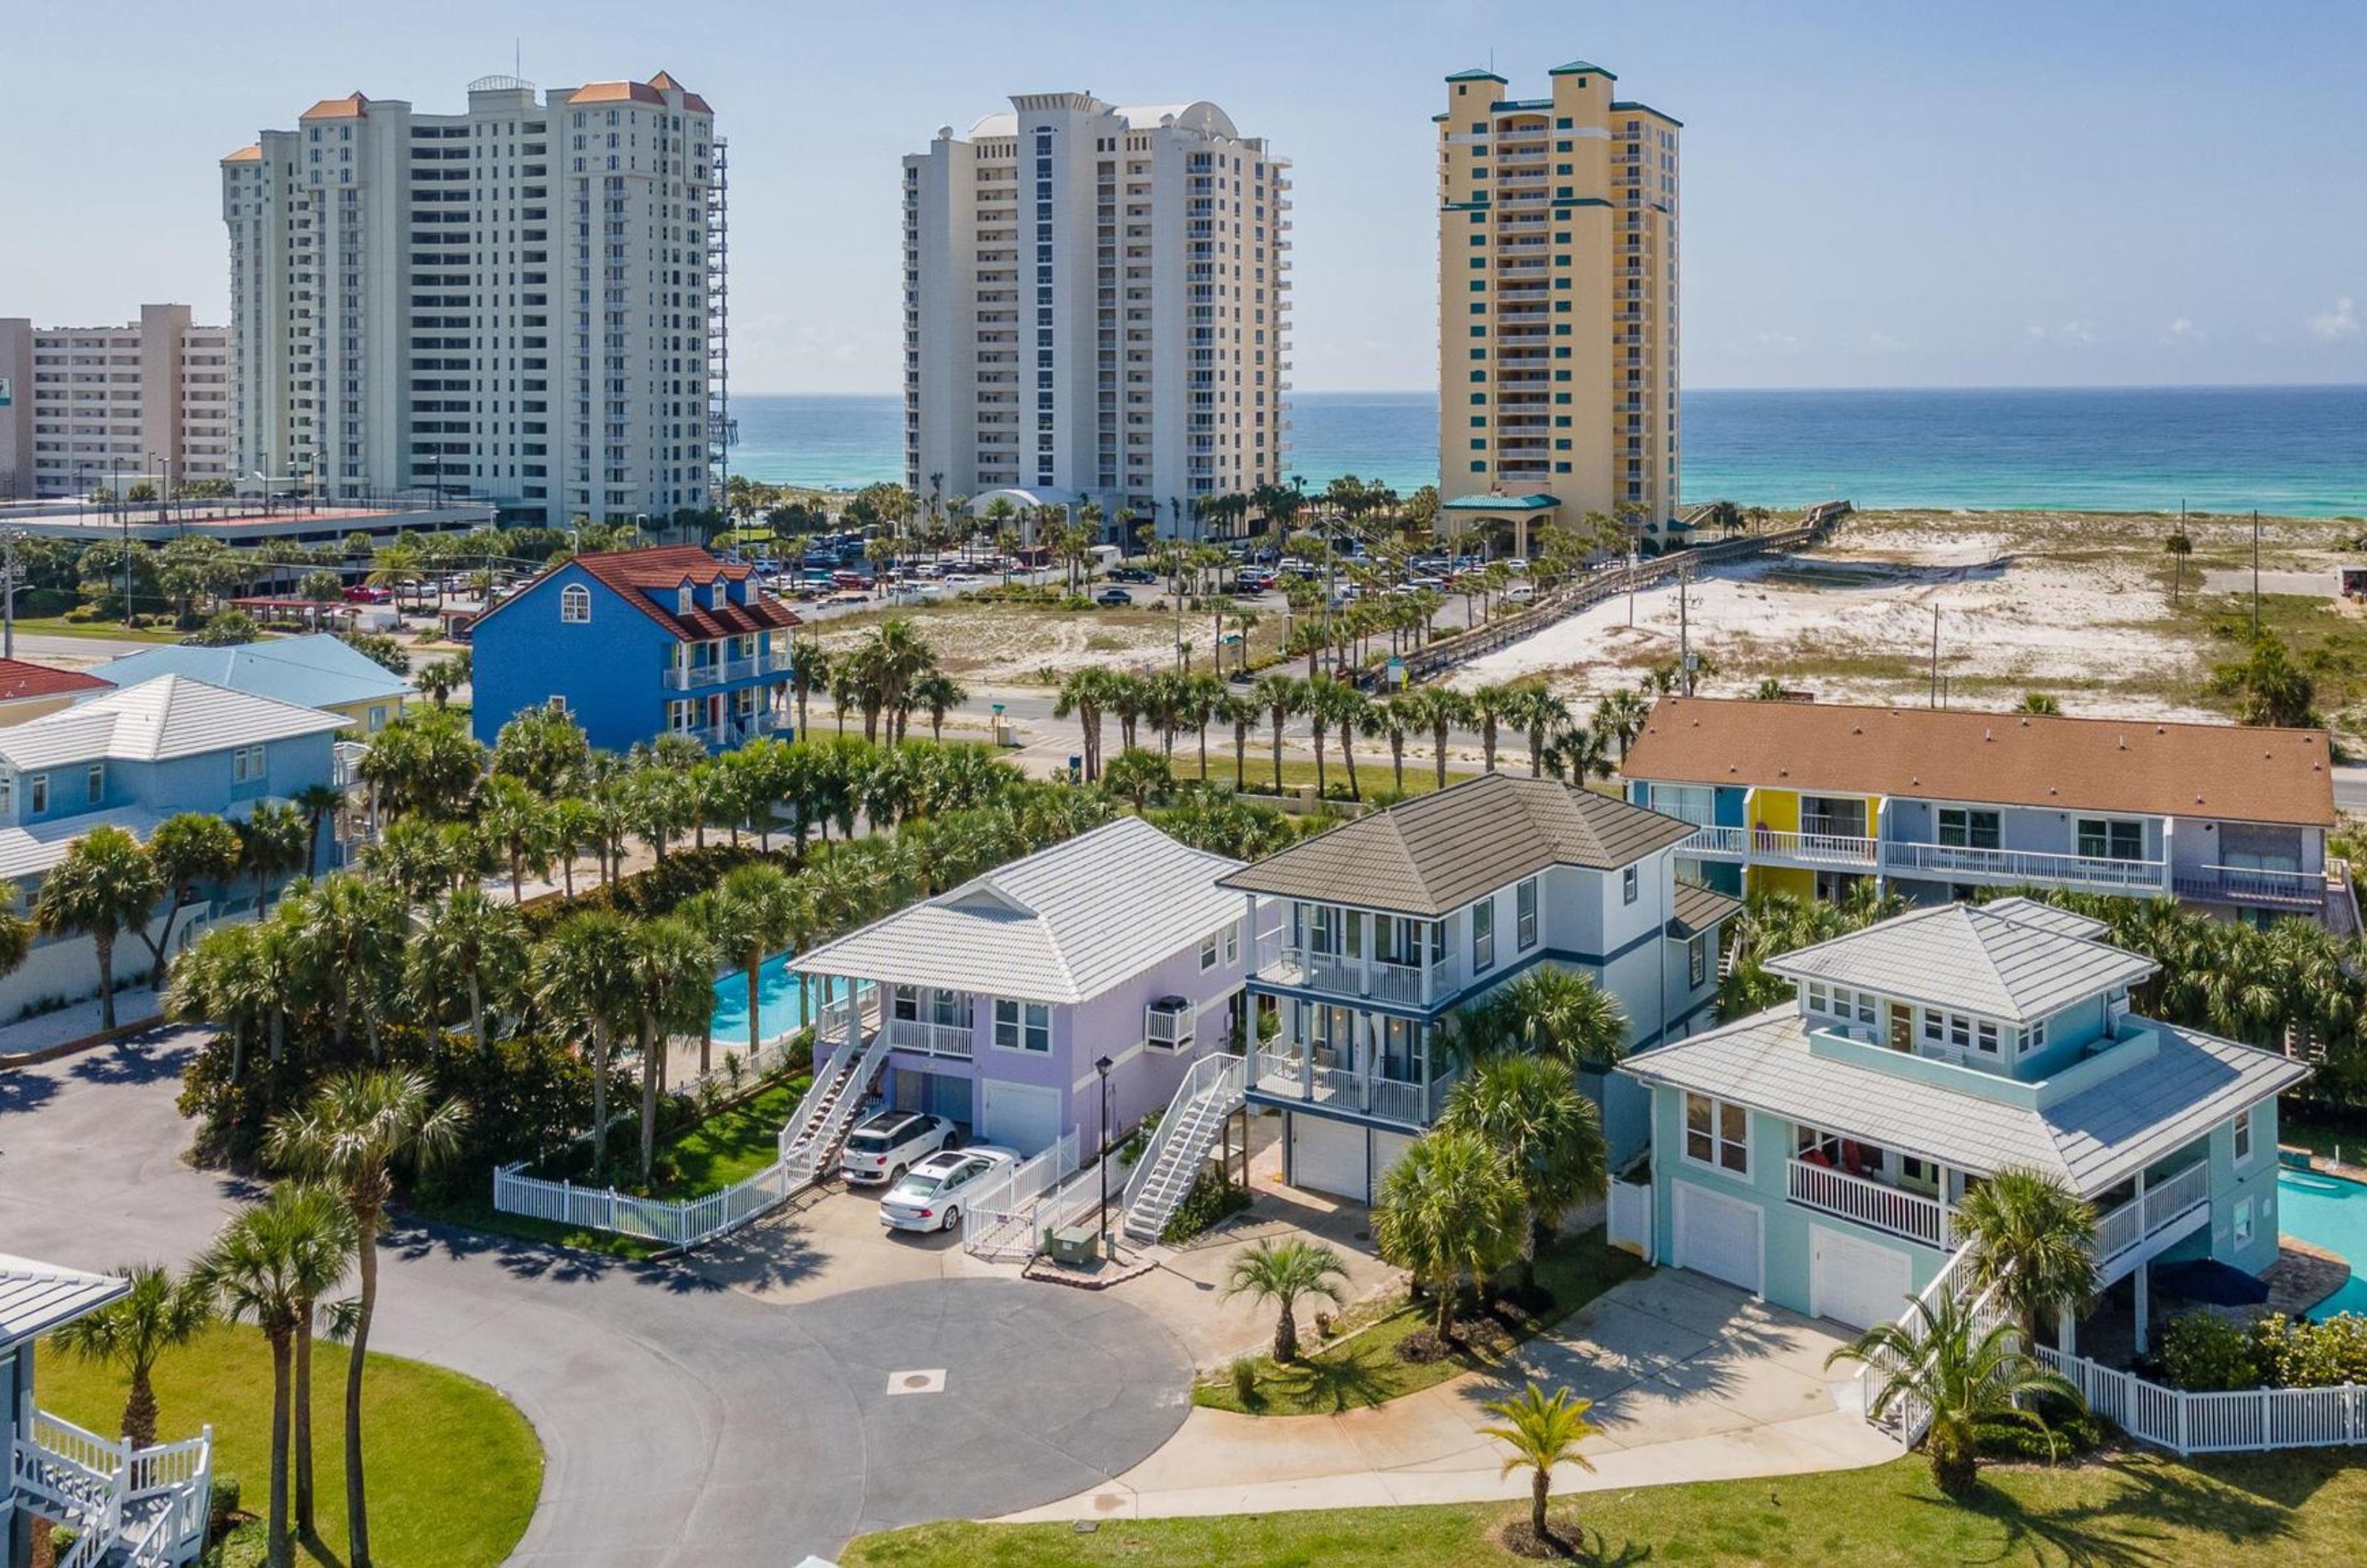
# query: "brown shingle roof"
20, 680
640, 576
2234, 772
1696, 909
1435, 854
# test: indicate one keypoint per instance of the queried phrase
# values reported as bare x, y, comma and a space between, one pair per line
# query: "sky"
1877, 194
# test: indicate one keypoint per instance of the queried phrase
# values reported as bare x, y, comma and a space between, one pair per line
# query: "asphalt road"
2350, 788
682, 1421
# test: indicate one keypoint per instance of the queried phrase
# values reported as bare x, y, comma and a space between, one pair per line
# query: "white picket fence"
1628, 1221
1006, 1220
2249, 1421
683, 1221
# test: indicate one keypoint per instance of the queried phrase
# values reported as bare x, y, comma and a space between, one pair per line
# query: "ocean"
2293, 451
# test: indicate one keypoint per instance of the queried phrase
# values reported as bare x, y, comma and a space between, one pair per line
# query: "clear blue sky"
1875, 194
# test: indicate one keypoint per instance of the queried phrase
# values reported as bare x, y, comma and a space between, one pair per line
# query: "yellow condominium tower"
1556, 305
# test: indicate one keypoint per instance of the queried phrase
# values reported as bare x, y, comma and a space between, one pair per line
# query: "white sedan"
932, 1194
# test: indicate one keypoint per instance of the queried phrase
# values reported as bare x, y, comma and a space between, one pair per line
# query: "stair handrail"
806, 1163
809, 1104
1218, 1070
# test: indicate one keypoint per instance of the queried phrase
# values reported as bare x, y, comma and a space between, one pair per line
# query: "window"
1524, 914
1697, 960
1023, 1026
95, 783
1717, 1133
245, 765
1483, 935
2034, 1036
906, 1001
1935, 1027
377, 717
36, 793
1965, 829
555, 702
1627, 886
1984, 1037
574, 604
2103, 838
1208, 953
2243, 1129
7, 793
1960, 1031
1232, 944
2243, 1222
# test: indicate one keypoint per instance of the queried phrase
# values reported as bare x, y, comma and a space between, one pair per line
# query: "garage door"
1327, 1157
1718, 1235
1855, 1281
1019, 1116
1387, 1149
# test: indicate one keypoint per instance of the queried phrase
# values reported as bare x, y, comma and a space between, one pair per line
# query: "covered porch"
1346, 952
1519, 515
1378, 1065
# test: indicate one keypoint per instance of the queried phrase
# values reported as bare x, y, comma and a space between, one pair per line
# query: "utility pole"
2256, 574
8, 592
1935, 656
1685, 631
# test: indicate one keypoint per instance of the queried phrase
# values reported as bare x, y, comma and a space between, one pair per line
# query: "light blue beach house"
1391, 922
1814, 1154
318, 671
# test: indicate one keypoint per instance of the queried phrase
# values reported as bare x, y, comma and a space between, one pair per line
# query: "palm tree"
1536, 710
266, 1268
1087, 693
1281, 1272
358, 1130
2034, 1243
756, 912
2179, 546
105, 882
1581, 752
1241, 710
1490, 707
1444, 707
131, 1333
1448, 1211
670, 966
1561, 1015
520, 822
1623, 715
1397, 720
189, 848
1966, 1375
1529, 1109
273, 840
579, 977
318, 802
1542, 1433
1279, 696
481, 940
1335, 704
2038, 703
940, 693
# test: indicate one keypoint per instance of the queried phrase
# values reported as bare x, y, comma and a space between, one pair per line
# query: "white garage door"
1019, 1116
1327, 1157
1855, 1281
1718, 1235
1387, 1149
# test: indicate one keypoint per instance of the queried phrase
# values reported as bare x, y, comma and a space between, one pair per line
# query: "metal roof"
38, 1297
1538, 503
1433, 854
2093, 1139
169, 716
1062, 925
2000, 962
312, 672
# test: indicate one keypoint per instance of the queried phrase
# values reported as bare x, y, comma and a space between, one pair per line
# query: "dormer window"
681, 600
574, 604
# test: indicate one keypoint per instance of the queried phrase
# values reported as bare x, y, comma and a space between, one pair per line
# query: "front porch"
1379, 1066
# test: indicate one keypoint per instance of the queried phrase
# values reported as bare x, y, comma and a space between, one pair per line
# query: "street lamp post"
1103, 1068
123, 516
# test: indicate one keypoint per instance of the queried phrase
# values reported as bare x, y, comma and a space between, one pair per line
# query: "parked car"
1133, 574
934, 1192
1114, 598
1518, 593
363, 593
888, 1142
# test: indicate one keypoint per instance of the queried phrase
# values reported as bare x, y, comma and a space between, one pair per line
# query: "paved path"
1691, 1379
682, 1420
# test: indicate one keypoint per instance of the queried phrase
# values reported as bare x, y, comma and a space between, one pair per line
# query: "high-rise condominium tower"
1557, 303
83, 408
523, 301
1095, 312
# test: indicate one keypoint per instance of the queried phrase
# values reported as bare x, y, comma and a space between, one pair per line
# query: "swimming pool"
779, 1007
2332, 1214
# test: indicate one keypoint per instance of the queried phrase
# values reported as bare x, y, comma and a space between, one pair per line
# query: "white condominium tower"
1094, 310
83, 408
523, 301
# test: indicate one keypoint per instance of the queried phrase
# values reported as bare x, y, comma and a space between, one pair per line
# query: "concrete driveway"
1692, 1380
685, 1417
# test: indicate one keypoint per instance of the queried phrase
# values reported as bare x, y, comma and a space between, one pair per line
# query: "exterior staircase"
812, 1140
128, 1507
1215, 1088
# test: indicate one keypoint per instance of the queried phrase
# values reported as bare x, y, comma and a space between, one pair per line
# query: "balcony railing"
1289, 1076
721, 672
929, 1038
1871, 1203
2125, 1228
2249, 885
2022, 865
1768, 843
1408, 984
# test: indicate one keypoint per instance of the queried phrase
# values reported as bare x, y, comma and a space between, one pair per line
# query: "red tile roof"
640, 577
20, 680
353, 105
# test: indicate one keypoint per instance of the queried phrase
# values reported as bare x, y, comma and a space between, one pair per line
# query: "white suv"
888, 1142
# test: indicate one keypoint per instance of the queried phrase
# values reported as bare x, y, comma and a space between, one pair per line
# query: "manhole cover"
932, 1382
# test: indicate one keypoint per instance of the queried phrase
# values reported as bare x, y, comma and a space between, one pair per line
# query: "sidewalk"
33, 1035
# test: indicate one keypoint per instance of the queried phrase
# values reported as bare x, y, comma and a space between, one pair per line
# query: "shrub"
1212, 1200
222, 1506
1423, 1346
2204, 1353
1245, 1374
2297, 1353
2075, 1432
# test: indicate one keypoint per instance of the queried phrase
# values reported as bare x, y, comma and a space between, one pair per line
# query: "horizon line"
1885, 387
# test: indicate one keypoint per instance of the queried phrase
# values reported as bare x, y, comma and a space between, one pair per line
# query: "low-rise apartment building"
1811, 798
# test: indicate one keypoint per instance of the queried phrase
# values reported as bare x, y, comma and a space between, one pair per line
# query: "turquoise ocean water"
2294, 450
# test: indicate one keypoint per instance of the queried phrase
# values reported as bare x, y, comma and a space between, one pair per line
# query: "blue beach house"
1816, 1153
636, 644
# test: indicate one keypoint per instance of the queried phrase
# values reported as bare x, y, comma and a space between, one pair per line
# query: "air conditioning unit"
1168, 1024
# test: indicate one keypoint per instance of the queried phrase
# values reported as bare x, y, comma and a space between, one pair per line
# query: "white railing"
1409, 985
1208, 1093
2251, 884
1276, 1072
931, 1038
1713, 841
2251, 1420
2024, 866
103, 1488
2125, 1227
1870, 1203
1000, 1222
1628, 1221
1818, 848
828, 1110
1953, 1281
1168, 1027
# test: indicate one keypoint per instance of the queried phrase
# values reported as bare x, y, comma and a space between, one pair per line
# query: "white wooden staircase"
128, 1507
1215, 1088
812, 1140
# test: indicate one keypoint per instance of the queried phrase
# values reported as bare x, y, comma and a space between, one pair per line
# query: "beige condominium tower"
1557, 307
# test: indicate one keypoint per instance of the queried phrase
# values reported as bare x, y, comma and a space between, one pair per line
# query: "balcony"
1292, 1076
930, 1039
723, 671
1893, 1209
2128, 1234
1770, 846
1380, 979
1961, 863
2247, 885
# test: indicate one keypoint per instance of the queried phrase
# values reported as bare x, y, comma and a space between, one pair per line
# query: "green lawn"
454, 1469
2322, 1129
1372, 766
1364, 1368
2305, 1509
114, 631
